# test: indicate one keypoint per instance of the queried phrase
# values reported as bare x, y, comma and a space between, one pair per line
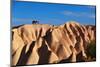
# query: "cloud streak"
77, 14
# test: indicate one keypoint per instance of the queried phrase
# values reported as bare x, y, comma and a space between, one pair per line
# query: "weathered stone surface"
42, 43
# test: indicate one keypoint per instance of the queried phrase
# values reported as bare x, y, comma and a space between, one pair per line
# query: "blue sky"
55, 14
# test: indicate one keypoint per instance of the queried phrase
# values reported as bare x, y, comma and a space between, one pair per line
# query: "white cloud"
78, 14
92, 16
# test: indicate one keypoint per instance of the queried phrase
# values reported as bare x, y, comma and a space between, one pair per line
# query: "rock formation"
43, 44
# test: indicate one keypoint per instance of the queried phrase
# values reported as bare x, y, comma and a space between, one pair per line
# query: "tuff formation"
43, 43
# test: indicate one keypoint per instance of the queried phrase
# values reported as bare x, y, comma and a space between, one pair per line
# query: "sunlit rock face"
43, 43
